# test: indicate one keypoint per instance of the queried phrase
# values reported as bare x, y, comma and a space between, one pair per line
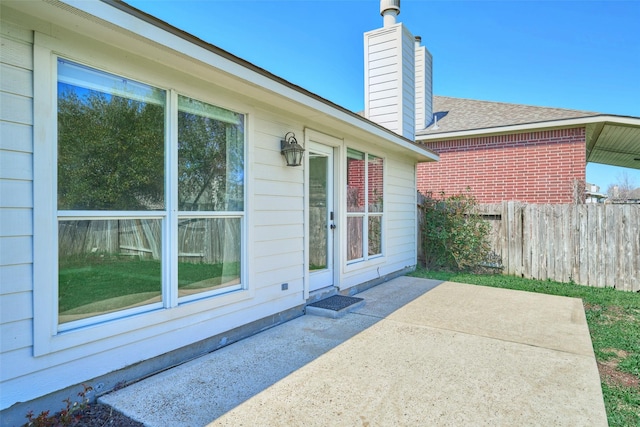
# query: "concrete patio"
419, 352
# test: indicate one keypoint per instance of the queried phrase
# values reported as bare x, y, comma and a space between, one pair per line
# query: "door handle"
333, 226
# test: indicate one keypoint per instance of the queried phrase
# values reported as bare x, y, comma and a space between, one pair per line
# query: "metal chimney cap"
388, 5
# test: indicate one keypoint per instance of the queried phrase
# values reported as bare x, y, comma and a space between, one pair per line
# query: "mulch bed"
95, 415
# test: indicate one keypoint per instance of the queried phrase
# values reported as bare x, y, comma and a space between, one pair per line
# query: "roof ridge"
516, 104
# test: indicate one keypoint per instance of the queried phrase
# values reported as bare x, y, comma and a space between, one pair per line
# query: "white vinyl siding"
382, 81
389, 79
16, 199
278, 218
424, 87
401, 221
408, 104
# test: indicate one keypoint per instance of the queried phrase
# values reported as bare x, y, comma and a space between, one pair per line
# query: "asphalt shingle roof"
458, 114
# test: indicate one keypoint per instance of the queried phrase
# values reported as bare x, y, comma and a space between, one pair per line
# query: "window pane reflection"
375, 183
110, 141
354, 238
209, 254
107, 265
375, 235
355, 181
210, 157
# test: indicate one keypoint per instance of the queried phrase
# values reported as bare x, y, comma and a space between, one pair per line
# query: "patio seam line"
475, 334
367, 315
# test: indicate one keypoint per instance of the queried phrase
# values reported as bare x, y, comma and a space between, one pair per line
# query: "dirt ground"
98, 415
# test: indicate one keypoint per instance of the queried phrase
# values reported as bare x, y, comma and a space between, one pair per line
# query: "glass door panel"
317, 212
321, 216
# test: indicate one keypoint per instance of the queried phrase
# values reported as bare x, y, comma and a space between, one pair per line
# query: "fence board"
625, 248
583, 244
548, 231
596, 259
567, 234
526, 242
608, 276
556, 220
577, 246
509, 238
504, 238
518, 239
635, 247
531, 218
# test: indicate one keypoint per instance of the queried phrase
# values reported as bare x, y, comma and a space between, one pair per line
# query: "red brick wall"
376, 184
356, 183
533, 167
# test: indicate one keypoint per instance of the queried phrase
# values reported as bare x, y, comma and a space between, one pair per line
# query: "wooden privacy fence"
592, 245
201, 240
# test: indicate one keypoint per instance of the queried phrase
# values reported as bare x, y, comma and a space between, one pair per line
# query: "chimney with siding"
424, 86
398, 88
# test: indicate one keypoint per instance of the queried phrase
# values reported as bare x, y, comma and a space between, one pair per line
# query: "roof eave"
419, 153
524, 127
126, 18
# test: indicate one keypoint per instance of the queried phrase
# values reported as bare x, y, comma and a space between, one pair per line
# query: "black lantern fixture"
291, 150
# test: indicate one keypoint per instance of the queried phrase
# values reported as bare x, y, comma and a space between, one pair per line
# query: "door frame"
315, 138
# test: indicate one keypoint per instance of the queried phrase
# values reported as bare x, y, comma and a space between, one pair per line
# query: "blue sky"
582, 55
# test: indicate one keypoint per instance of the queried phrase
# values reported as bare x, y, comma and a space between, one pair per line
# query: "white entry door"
321, 216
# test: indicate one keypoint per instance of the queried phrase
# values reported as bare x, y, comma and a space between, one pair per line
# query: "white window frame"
367, 259
48, 336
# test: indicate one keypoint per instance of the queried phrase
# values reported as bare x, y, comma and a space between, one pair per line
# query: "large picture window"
210, 196
141, 224
365, 197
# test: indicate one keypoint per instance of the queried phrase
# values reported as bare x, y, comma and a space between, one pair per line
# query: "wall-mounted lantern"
291, 150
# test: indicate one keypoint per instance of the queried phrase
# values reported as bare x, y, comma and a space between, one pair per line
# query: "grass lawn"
614, 323
94, 284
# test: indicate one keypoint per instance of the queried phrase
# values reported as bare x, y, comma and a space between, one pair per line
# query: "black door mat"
335, 306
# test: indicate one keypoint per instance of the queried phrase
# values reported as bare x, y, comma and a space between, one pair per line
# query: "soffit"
615, 144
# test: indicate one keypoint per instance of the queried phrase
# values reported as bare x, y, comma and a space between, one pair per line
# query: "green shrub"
454, 237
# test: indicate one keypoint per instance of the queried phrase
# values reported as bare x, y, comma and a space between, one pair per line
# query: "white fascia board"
322, 108
565, 123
